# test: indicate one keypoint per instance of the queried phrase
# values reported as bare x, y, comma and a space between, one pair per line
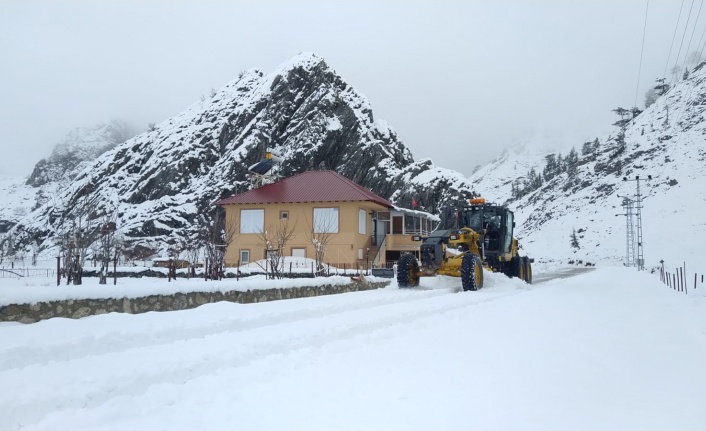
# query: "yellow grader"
483, 238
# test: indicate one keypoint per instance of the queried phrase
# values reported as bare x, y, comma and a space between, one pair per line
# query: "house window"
284, 215
298, 252
252, 221
362, 222
325, 220
244, 257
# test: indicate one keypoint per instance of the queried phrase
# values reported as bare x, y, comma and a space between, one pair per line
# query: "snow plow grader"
483, 238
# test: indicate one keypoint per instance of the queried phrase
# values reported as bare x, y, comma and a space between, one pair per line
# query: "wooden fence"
679, 279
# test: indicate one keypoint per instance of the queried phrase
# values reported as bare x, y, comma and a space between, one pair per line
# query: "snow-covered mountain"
161, 183
74, 152
77, 150
585, 191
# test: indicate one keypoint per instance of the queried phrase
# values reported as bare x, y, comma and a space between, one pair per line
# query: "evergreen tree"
535, 180
587, 148
624, 117
551, 168
662, 87
572, 161
574, 240
620, 144
572, 158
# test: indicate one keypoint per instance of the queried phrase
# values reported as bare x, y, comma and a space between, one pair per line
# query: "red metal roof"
310, 186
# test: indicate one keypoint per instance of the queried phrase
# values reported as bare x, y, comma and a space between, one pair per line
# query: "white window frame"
244, 251
362, 221
326, 220
252, 221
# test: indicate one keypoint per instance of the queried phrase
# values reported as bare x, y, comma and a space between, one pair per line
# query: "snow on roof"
417, 213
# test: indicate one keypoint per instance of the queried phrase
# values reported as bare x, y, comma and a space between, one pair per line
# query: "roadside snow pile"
33, 290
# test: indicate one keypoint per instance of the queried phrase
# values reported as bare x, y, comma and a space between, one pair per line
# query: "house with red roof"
358, 227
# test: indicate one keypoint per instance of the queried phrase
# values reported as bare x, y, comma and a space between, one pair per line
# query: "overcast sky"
459, 81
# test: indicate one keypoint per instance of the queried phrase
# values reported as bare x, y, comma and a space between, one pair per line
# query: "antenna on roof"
261, 172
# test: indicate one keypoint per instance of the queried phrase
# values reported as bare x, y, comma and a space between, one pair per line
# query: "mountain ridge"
161, 183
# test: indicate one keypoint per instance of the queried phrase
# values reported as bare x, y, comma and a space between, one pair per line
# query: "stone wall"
77, 308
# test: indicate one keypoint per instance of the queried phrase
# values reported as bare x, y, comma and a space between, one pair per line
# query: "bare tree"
193, 255
35, 245
275, 239
77, 231
218, 235
107, 244
4, 243
324, 228
120, 246
138, 252
83, 232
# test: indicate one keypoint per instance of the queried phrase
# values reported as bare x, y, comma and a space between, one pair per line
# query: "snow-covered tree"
574, 240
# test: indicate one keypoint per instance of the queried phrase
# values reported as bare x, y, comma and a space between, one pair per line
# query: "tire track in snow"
86, 383
27, 356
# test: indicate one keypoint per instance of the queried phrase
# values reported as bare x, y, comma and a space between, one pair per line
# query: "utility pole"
638, 207
629, 231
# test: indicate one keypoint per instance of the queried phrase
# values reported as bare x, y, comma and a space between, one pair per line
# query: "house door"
298, 252
397, 225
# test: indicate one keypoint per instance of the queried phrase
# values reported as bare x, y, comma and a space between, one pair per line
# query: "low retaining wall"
77, 308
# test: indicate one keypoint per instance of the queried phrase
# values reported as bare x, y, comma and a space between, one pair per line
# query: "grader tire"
407, 271
471, 272
518, 267
528, 270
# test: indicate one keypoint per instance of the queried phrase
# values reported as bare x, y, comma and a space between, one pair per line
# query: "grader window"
508, 232
473, 219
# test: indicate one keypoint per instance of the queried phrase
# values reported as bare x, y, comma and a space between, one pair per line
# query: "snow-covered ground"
609, 349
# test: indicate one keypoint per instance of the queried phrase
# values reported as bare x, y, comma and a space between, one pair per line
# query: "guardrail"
679, 279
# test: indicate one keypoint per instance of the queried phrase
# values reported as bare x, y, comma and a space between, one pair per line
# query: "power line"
676, 62
687, 93
701, 49
696, 22
642, 50
673, 37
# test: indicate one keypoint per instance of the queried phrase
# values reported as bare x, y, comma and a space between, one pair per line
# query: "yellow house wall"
401, 242
342, 247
